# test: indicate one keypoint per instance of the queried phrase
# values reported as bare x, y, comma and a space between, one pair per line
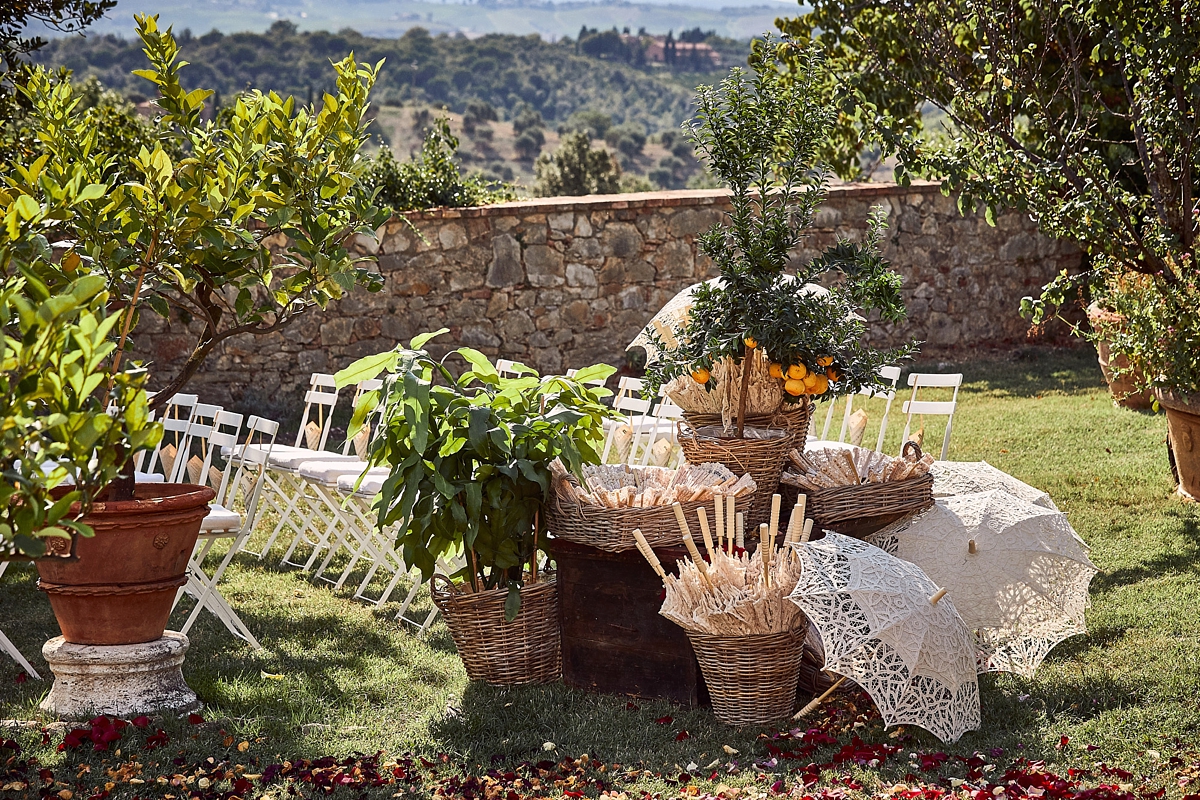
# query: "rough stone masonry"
567, 282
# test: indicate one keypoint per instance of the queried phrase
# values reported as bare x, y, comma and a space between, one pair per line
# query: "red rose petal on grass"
632, 706
195, 719
1091, 748
679, 737
667, 720
1062, 743
22, 677
141, 722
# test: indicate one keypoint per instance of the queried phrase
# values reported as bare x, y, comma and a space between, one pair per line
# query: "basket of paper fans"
856, 491
614, 500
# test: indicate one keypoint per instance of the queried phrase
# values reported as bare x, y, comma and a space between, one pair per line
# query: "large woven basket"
611, 529
794, 418
861, 510
762, 458
526, 650
751, 680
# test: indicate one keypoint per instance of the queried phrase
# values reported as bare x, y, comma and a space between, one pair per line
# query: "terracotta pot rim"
1187, 402
157, 497
1098, 316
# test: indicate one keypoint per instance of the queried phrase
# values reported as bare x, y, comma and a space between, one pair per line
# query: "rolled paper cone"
941, 593
702, 515
804, 537
776, 499
719, 517
681, 519
741, 530
812, 706
648, 553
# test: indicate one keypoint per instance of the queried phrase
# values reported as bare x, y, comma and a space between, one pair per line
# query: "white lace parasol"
1017, 571
967, 477
883, 626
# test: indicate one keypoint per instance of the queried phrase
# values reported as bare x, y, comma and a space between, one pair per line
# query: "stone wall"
567, 282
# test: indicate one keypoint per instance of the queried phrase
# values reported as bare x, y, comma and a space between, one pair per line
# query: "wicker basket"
861, 510
794, 419
762, 458
751, 680
611, 529
526, 650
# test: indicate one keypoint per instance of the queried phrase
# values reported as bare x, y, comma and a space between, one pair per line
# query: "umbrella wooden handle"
812, 706
808, 526
796, 523
730, 516
776, 500
941, 593
719, 515
764, 552
702, 515
648, 553
741, 530
701, 567
681, 519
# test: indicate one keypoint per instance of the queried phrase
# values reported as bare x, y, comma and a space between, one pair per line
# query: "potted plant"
1081, 115
66, 420
470, 470
241, 236
759, 334
1126, 382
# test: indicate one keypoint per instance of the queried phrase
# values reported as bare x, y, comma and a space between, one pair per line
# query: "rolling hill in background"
737, 19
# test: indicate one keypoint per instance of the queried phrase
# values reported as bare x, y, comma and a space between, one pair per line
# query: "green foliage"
504, 71
432, 179
191, 235
60, 443
575, 169
470, 456
762, 136
1082, 114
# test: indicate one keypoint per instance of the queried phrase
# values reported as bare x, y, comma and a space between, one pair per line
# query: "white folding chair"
508, 369
663, 429
240, 482
8, 647
889, 374
176, 416
571, 373
283, 491
929, 380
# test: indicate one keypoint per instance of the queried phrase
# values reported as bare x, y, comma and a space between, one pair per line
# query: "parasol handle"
764, 552
776, 500
971, 548
702, 515
796, 523
719, 518
812, 706
741, 530
807, 534
681, 519
648, 553
730, 515
701, 567
941, 593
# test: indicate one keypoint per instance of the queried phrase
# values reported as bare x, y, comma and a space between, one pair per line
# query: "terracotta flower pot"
121, 588
1183, 433
1123, 389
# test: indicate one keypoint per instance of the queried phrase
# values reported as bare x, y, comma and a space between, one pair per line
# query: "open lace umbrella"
967, 477
671, 318
1017, 571
885, 625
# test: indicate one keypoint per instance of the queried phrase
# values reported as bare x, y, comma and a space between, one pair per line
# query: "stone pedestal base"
120, 680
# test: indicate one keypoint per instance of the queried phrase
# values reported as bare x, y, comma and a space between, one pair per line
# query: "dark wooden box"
613, 639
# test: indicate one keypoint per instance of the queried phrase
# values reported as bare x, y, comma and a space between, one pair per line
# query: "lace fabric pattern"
879, 628
968, 477
1022, 590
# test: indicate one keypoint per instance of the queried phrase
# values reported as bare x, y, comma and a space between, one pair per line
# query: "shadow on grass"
1185, 561
1025, 372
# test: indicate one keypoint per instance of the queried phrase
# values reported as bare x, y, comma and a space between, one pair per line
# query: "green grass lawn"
337, 677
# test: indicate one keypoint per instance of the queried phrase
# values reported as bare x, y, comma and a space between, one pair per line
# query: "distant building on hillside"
665, 50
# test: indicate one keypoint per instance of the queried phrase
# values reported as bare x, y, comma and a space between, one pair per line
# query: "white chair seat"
292, 461
220, 518
148, 477
371, 484
827, 444
328, 472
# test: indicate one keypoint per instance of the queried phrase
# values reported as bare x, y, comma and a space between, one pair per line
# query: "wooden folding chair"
930, 380
890, 374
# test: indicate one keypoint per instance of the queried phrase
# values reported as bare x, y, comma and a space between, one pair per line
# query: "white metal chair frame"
889, 373
175, 419
8, 647
946, 408
243, 475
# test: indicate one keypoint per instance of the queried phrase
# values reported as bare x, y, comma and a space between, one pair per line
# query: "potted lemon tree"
469, 459
243, 234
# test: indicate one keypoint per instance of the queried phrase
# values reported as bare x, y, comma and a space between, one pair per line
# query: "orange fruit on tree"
833, 374
825, 361
810, 380
751, 342
797, 372
820, 385
794, 387
776, 370
701, 375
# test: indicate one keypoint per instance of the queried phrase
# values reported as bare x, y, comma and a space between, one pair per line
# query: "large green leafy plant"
470, 456
1083, 114
67, 423
762, 135
243, 234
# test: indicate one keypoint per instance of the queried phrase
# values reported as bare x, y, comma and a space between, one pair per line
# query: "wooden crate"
613, 639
